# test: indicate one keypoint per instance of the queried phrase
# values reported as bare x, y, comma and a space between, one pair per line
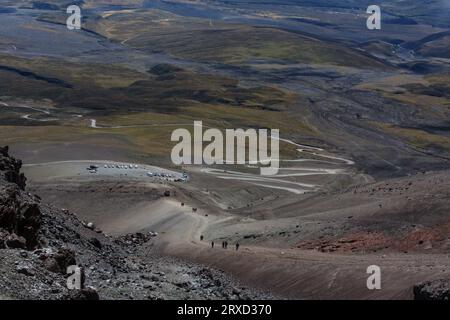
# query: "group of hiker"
224, 244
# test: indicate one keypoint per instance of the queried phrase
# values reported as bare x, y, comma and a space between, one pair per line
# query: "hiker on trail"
223, 244
212, 244
226, 245
201, 238
237, 246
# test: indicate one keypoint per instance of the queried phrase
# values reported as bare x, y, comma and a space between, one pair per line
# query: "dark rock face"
10, 168
20, 216
432, 290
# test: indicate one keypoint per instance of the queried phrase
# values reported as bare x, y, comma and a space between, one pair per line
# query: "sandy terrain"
311, 246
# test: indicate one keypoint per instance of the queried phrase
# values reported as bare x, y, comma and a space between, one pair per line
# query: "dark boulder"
96, 243
432, 290
19, 212
14, 241
83, 294
59, 262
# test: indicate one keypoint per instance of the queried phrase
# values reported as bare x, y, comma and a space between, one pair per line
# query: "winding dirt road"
280, 181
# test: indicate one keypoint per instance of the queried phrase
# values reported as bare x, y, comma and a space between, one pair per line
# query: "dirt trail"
294, 273
313, 275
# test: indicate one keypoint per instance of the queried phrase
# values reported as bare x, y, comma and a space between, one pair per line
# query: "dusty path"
312, 275
300, 274
295, 273
290, 273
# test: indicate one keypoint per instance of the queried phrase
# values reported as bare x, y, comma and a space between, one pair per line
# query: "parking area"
102, 168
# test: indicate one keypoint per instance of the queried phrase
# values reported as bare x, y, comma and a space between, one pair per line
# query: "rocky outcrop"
432, 290
10, 169
20, 216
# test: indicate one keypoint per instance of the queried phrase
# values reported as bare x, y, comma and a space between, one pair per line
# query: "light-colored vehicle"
150, 174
